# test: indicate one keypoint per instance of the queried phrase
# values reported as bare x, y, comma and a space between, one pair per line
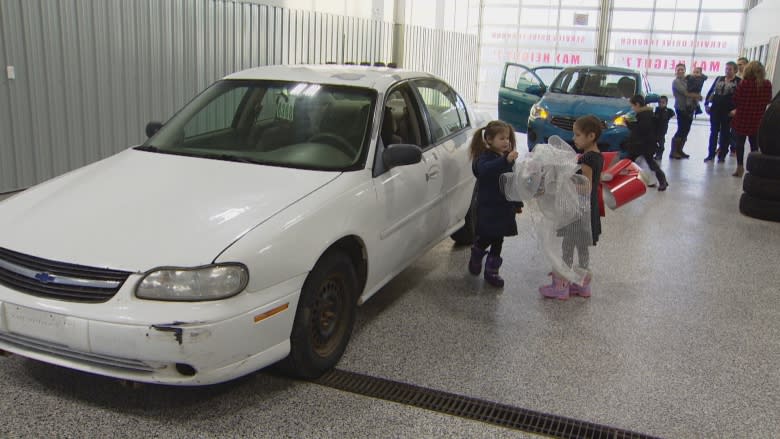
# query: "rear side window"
446, 110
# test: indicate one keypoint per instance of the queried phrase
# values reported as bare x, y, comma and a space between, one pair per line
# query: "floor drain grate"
472, 408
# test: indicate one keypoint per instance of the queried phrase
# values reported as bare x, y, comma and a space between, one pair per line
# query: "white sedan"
244, 232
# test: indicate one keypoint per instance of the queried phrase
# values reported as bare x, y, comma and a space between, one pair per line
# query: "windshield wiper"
230, 158
557, 90
148, 148
592, 94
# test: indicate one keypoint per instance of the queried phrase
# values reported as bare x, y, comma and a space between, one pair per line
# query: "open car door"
521, 87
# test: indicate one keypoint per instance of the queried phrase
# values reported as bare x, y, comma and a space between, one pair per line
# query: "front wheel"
324, 318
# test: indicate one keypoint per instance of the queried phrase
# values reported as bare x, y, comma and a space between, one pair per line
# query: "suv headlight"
538, 112
210, 282
619, 121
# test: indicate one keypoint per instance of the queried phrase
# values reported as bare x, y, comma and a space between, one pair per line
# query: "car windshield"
589, 82
291, 124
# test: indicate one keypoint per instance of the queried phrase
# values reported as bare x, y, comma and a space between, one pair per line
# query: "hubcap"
327, 322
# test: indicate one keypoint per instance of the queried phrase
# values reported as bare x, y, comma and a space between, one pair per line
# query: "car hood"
559, 104
138, 210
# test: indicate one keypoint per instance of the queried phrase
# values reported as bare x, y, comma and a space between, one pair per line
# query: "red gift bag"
621, 182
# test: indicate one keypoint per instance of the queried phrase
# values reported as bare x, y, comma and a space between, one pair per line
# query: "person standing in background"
662, 116
741, 63
752, 96
685, 103
718, 104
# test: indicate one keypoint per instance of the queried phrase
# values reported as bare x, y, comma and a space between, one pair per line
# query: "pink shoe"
558, 289
581, 290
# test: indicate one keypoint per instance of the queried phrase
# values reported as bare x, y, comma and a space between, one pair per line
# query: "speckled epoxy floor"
680, 339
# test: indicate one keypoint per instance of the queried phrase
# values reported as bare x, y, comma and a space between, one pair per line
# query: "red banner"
670, 42
649, 63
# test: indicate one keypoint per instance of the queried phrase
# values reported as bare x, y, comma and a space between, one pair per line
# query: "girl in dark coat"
492, 153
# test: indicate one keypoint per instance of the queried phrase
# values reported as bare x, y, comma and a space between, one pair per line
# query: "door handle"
507, 102
431, 173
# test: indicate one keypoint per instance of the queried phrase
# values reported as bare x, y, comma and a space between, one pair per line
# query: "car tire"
757, 208
762, 165
761, 188
324, 318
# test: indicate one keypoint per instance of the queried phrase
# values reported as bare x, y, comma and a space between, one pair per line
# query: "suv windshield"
596, 83
292, 124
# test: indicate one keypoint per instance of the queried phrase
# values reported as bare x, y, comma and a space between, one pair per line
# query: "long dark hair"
482, 135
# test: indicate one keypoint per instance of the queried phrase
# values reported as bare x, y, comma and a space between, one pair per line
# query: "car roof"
377, 78
604, 69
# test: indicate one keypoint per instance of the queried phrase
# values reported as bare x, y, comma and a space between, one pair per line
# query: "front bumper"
540, 131
194, 343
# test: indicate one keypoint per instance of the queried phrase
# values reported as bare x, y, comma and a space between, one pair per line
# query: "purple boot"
475, 263
492, 265
558, 289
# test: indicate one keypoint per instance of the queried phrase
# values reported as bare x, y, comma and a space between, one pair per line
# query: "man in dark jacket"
718, 104
643, 137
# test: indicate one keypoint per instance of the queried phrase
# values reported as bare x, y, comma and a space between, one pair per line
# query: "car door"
449, 131
522, 87
406, 194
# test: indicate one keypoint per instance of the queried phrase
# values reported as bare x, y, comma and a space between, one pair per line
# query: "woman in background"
751, 99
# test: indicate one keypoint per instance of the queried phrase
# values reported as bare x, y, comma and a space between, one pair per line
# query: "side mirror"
152, 128
401, 154
651, 98
537, 90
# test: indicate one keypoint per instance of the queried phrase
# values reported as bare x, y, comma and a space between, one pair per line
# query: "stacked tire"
761, 186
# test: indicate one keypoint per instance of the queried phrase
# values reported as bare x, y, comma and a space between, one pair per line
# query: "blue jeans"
720, 126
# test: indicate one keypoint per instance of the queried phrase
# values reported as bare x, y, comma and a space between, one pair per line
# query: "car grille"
564, 123
52, 279
567, 123
39, 346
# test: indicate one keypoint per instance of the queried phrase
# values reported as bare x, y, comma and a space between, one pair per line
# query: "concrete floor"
681, 339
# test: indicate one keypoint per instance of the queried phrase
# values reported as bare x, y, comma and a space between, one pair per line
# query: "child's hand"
511, 156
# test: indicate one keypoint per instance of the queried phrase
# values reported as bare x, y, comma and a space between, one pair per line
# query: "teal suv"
531, 106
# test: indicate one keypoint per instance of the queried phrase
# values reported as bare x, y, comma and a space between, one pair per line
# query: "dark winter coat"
643, 138
720, 98
662, 118
495, 215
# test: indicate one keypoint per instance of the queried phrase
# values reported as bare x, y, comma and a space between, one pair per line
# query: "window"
442, 105
603, 83
518, 78
217, 115
290, 124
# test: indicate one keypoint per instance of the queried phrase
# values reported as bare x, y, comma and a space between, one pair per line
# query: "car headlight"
538, 112
619, 121
211, 282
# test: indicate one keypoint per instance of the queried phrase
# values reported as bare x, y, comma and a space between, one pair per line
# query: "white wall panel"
91, 74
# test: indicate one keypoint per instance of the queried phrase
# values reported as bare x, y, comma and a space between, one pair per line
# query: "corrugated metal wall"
90, 74
453, 56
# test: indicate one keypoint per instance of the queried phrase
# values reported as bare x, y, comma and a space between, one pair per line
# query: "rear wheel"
324, 318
